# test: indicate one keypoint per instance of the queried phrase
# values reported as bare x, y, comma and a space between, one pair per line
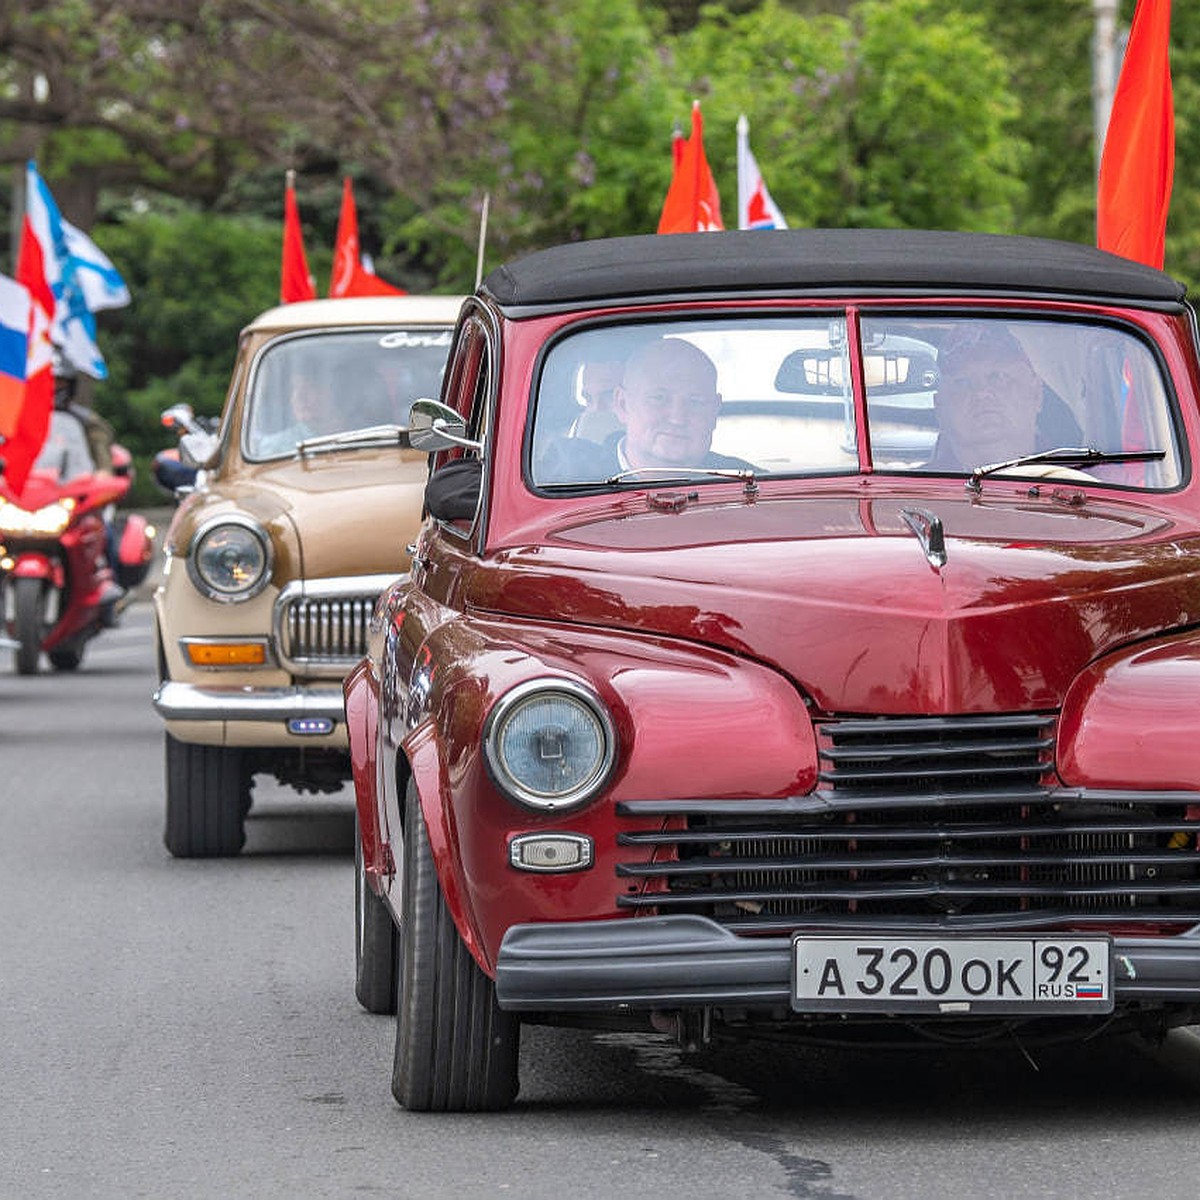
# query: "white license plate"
952, 975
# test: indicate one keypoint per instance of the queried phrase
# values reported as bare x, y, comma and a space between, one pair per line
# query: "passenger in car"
991, 403
667, 405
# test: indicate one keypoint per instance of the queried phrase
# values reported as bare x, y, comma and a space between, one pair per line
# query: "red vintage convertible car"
804, 639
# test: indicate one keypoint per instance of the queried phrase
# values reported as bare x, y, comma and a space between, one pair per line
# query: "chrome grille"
929, 822
321, 625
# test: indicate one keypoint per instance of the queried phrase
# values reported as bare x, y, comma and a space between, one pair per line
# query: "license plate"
952, 975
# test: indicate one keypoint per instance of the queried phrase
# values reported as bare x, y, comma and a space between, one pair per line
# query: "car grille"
321, 626
928, 822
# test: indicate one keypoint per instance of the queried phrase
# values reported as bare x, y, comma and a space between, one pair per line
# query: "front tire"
374, 942
208, 796
30, 604
456, 1050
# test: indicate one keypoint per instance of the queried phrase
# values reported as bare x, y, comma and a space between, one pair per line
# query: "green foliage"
167, 130
895, 116
196, 280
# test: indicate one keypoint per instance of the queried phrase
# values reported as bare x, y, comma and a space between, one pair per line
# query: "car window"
949, 395
322, 383
773, 394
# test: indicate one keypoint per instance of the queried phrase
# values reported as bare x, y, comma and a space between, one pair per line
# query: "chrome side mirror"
434, 426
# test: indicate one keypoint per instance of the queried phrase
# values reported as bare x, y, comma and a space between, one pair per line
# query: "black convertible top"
790, 261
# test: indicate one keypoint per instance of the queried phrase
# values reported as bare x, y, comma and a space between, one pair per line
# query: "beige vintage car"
300, 518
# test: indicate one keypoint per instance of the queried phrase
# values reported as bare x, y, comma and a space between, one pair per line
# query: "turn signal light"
226, 654
550, 852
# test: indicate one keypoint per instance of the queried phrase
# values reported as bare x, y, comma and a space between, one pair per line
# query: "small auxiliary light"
550, 852
310, 725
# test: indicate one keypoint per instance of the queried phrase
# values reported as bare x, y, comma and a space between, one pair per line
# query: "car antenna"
483, 216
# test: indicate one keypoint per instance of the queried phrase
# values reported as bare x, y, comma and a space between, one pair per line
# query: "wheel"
374, 942
30, 600
64, 659
456, 1050
208, 796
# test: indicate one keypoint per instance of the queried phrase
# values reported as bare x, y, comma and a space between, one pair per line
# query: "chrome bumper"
188, 702
690, 961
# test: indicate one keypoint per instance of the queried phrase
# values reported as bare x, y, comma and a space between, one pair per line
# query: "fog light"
550, 852
310, 725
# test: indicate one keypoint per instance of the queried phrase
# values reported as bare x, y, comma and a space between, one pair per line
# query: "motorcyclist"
99, 436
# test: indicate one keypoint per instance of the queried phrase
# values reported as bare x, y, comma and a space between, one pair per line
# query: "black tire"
374, 942
456, 1050
63, 659
30, 599
208, 796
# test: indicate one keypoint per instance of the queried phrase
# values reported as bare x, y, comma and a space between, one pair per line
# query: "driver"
667, 405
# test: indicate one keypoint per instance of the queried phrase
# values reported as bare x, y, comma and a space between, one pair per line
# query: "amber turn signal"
226, 654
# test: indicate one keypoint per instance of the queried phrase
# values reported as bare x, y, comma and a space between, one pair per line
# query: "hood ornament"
929, 532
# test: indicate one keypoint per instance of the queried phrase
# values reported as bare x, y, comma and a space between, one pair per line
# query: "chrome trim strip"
176, 701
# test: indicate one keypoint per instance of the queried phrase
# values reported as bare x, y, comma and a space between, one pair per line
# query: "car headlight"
549, 744
49, 521
230, 559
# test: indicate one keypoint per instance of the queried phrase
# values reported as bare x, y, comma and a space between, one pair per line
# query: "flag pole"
483, 219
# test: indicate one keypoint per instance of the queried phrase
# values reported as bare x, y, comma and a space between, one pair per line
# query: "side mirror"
198, 449
434, 426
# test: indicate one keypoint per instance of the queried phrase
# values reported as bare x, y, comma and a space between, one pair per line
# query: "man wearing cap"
991, 404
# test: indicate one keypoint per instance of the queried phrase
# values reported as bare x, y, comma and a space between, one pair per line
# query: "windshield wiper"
655, 475
1067, 456
380, 434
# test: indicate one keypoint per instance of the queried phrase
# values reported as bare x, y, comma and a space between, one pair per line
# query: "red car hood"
842, 596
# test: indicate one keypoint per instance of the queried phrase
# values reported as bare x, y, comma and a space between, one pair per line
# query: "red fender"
32, 565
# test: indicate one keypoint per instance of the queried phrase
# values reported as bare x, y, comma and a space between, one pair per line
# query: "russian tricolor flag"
15, 306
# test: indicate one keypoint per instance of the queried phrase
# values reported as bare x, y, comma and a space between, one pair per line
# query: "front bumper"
690, 961
175, 701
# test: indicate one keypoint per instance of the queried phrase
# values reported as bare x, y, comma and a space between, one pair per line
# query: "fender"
362, 726
31, 564
1129, 719
425, 757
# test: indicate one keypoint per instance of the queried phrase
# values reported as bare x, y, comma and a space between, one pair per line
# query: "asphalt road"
189, 1029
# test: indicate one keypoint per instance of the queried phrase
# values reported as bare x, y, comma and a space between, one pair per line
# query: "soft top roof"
787, 261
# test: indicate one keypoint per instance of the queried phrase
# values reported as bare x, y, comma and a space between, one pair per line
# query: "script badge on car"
966, 975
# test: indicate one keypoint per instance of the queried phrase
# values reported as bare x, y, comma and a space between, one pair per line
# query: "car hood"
844, 596
351, 513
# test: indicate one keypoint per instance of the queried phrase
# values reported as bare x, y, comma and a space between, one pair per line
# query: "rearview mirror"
823, 371
198, 449
434, 426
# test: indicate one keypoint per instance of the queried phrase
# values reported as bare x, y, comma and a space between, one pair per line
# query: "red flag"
296, 281
1137, 166
33, 421
349, 277
692, 204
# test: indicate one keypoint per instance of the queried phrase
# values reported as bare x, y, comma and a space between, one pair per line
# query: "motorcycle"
67, 561
175, 468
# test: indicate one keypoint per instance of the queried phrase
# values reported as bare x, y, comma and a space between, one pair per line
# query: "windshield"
328, 383
65, 451
945, 394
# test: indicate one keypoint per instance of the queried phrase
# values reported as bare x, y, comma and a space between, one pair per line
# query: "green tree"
897, 115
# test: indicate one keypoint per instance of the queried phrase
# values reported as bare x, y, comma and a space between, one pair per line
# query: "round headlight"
231, 560
549, 744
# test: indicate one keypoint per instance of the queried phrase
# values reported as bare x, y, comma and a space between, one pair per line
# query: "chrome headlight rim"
203, 586
509, 704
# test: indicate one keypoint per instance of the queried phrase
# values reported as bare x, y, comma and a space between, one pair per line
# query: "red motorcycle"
68, 562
